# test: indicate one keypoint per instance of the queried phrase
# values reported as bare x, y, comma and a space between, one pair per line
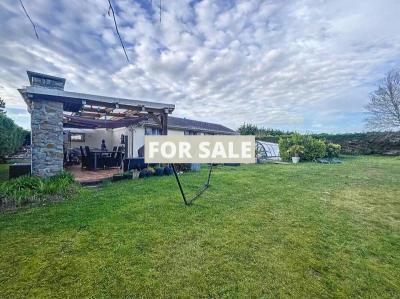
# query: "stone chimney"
46, 81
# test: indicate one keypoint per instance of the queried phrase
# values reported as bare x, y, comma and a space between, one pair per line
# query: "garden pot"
168, 170
143, 173
135, 174
295, 160
159, 171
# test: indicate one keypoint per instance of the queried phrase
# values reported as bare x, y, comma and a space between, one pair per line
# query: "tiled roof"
173, 123
192, 125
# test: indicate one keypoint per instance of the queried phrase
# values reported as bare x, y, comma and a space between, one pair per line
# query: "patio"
86, 177
54, 110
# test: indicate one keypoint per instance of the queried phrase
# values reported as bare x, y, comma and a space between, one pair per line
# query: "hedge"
12, 137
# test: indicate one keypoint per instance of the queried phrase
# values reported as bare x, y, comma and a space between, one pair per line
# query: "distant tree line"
260, 132
379, 143
12, 137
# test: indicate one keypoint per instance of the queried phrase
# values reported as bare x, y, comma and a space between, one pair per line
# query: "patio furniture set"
93, 159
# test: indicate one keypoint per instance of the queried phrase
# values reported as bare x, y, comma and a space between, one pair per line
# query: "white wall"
112, 138
176, 132
92, 137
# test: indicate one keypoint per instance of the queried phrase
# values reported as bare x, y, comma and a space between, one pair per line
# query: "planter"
143, 173
295, 160
135, 174
168, 170
159, 171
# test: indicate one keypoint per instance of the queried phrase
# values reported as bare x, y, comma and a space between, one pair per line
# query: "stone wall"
47, 137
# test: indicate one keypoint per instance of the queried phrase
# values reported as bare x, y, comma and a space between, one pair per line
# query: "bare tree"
384, 105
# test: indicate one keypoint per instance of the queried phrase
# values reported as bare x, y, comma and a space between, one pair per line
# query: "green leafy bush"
313, 148
333, 150
296, 150
12, 137
31, 189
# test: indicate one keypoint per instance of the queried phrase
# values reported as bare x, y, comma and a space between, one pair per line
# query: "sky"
303, 65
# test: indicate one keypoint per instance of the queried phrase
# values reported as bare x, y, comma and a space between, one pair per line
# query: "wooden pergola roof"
90, 106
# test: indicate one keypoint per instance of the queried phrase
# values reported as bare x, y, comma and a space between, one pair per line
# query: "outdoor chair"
116, 158
90, 160
83, 158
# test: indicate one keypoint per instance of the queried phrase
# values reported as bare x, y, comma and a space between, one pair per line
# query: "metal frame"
189, 202
267, 149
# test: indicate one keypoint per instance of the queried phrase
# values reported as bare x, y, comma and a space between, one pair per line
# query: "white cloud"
305, 65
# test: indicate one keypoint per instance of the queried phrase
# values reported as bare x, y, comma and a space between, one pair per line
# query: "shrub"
168, 170
296, 150
146, 172
12, 137
159, 171
313, 148
32, 189
333, 150
182, 167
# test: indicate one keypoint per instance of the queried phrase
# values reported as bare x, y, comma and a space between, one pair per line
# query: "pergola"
51, 107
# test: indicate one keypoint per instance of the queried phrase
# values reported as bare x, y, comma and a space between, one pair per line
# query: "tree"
2, 106
248, 129
12, 137
384, 105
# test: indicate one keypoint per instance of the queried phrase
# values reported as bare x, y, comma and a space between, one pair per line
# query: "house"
133, 130
63, 120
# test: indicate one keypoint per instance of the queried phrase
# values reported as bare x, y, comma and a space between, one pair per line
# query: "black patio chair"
84, 159
115, 159
91, 158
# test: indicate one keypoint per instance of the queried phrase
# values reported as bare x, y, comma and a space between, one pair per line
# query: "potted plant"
168, 170
159, 171
150, 171
135, 174
295, 151
143, 173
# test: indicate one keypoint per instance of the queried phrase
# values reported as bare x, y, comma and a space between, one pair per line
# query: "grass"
265, 231
3, 172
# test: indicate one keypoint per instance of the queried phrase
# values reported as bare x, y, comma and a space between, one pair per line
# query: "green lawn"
261, 231
3, 172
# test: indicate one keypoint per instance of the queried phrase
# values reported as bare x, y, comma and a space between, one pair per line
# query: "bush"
333, 150
31, 189
313, 148
168, 170
12, 137
296, 150
146, 172
159, 171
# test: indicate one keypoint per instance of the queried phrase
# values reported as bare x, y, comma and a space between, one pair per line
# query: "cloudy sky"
297, 65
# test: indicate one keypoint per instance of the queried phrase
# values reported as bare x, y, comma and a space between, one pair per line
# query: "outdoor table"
100, 153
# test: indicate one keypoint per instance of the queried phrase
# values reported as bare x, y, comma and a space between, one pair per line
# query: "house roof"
173, 123
192, 125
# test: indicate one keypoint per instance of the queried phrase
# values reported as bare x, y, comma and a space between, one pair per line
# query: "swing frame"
189, 202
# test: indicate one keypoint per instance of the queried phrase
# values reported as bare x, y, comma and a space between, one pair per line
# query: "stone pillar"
47, 137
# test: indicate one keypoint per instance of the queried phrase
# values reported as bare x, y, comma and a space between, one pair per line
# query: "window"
152, 131
77, 137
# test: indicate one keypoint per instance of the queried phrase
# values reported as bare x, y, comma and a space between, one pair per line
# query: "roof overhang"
75, 102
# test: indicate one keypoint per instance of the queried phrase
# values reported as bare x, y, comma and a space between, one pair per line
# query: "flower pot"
159, 171
143, 173
168, 170
295, 160
135, 174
